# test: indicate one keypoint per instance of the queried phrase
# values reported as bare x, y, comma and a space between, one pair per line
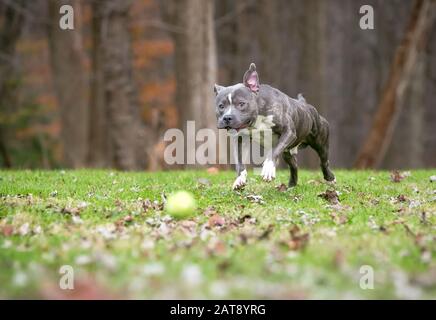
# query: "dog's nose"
228, 118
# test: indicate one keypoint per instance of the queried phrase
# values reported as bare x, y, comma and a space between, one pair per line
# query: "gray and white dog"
295, 124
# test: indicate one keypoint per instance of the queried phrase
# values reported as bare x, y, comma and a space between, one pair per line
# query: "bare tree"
67, 60
114, 72
10, 28
99, 148
385, 119
195, 60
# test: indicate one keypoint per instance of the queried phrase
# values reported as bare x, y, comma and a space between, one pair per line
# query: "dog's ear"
217, 88
251, 79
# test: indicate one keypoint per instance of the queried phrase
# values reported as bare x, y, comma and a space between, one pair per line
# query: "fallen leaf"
189, 227
331, 196
401, 198
339, 218
282, 187
397, 176
146, 204
375, 202
299, 240
7, 230
216, 221
246, 218
70, 210
123, 222
255, 198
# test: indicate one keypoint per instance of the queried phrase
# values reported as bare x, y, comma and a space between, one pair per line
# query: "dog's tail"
301, 98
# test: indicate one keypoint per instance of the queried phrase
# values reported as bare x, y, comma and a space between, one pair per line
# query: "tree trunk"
379, 138
429, 146
99, 149
67, 61
11, 23
120, 94
195, 63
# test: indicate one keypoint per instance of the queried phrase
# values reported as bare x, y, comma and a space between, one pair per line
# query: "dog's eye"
221, 106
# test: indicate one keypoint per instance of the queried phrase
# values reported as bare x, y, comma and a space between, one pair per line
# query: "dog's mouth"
242, 126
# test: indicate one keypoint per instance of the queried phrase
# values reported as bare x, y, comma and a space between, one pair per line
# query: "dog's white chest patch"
261, 131
264, 123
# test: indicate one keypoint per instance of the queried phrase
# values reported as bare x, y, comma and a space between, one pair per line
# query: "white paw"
268, 170
240, 181
333, 182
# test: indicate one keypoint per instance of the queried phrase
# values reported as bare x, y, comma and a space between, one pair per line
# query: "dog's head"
236, 106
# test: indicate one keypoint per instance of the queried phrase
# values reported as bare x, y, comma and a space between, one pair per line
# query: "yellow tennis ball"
181, 205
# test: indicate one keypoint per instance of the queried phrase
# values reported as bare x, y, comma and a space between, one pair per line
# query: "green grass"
54, 218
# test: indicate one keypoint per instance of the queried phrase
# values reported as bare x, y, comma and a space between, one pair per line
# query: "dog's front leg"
241, 180
269, 165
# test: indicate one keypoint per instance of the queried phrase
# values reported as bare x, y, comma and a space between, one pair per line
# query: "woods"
404, 63
116, 183
103, 95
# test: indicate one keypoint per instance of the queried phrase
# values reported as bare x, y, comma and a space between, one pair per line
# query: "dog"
294, 123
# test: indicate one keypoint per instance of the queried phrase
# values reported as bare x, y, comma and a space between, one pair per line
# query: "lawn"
312, 241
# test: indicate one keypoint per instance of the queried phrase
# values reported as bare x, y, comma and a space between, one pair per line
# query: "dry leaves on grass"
246, 218
331, 196
401, 198
216, 221
397, 176
7, 230
339, 218
189, 227
255, 198
123, 222
147, 204
216, 247
299, 239
282, 187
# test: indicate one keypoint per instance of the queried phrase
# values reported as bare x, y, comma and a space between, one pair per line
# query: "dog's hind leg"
291, 159
321, 146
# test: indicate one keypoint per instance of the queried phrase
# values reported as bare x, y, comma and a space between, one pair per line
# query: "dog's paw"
240, 181
331, 182
268, 170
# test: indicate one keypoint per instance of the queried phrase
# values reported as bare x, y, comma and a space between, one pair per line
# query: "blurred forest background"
103, 94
